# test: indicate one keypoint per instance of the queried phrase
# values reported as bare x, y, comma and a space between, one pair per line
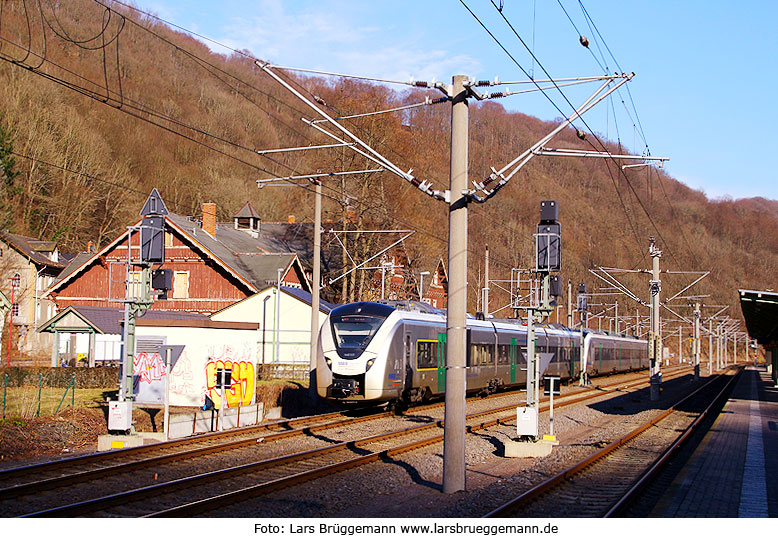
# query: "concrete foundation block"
273, 414
522, 449
114, 442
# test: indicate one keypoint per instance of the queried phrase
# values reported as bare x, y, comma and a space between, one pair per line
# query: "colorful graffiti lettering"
149, 367
241, 391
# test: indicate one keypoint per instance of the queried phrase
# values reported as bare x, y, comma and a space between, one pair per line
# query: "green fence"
31, 392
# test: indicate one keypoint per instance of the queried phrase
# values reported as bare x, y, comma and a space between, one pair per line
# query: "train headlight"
369, 364
329, 362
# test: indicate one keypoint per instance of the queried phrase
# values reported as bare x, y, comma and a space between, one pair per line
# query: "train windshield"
355, 331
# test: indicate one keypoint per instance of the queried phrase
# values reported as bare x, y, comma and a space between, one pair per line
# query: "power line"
79, 173
544, 93
658, 232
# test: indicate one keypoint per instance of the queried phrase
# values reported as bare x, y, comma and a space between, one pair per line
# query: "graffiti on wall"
149, 367
148, 379
241, 391
182, 377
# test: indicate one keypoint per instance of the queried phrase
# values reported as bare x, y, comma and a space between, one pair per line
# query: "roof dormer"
247, 220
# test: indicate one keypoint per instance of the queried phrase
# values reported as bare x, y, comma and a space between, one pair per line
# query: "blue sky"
705, 78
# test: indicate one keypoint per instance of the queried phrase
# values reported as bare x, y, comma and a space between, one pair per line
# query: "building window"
168, 239
181, 285
15, 309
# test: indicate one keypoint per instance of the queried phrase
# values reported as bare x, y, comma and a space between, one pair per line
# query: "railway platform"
733, 472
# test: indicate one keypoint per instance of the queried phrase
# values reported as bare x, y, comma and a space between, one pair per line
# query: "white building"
284, 334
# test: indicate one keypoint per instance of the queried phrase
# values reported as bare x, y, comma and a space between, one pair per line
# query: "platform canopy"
760, 310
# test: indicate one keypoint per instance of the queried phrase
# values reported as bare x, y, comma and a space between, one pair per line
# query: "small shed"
205, 348
88, 334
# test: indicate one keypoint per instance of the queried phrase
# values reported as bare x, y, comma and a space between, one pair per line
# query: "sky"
704, 91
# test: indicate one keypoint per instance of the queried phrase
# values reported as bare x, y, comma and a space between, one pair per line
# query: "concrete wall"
186, 424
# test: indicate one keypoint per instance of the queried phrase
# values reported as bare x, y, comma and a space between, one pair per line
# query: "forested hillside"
100, 106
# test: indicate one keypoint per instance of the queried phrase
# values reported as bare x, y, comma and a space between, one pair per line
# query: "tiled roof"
33, 248
307, 297
242, 253
247, 211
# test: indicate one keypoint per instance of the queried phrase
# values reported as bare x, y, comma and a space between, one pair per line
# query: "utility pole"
582, 311
458, 196
680, 344
617, 317
696, 340
637, 322
456, 321
710, 347
485, 307
315, 291
277, 324
569, 304
655, 336
724, 351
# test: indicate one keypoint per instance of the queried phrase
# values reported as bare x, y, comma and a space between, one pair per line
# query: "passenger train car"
395, 352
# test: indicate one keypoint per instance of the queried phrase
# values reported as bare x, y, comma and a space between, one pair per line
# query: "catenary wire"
658, 231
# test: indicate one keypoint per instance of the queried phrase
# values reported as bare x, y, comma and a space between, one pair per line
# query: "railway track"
33, 478
605, 482
195, 493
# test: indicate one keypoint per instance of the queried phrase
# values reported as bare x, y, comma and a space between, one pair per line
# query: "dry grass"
25, 438
22, 402
72, 430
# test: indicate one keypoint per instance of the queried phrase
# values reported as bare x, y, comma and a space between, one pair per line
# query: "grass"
22, 402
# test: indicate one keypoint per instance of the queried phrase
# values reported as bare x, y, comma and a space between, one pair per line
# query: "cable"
658, 232
675, 218
544, 93
137, 110
80, 173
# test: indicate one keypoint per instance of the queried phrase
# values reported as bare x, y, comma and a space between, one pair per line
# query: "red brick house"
213, 265
437, 291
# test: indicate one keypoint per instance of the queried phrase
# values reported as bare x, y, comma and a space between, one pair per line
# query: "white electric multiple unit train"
395, 352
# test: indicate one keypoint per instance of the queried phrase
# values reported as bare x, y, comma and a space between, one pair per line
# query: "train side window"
503, 355
426, 354
481, 355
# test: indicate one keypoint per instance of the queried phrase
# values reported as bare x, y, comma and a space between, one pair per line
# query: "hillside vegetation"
101, 108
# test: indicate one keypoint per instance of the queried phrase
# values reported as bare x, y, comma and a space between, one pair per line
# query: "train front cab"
354, 346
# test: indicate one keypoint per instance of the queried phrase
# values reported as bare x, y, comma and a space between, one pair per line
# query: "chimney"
290, 219
209, 218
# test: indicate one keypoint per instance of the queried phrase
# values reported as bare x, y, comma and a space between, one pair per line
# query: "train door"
408, 362
600, 354
441, 362
514, 353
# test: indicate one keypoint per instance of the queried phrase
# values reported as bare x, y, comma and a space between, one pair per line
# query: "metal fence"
26, 401
32, 392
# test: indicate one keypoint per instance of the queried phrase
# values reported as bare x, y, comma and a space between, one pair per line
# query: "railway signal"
138, 299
